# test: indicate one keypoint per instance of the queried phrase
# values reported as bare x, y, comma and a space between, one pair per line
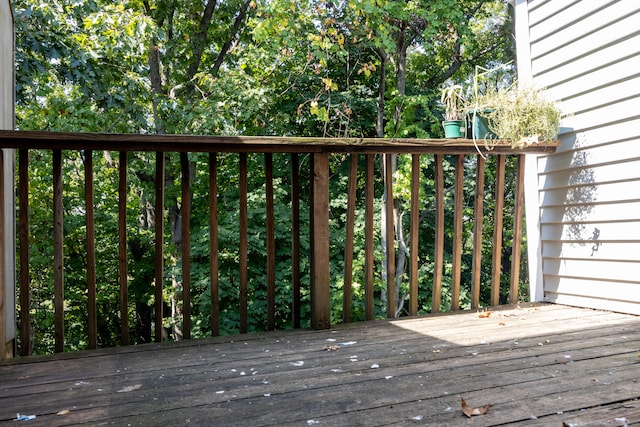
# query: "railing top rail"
251, 144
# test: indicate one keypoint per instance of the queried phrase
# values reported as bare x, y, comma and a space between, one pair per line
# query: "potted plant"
521, 115
454, 104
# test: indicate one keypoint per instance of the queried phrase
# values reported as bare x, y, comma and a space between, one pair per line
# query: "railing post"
213, 244
159, 243
517, 231
58, 252
320, 285
348, 251
477, 233
92, 315
438, 256
123, 268
185, 213
497, 230
389, 159
25, 277
295, 239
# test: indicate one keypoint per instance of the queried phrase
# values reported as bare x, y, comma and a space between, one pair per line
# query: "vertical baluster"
123, 267
159, 244
25, 279
92, 317
320, 289
477, 233
517, 231
4, 306
415, 216
439, 243
389, 233
348, 251
368, 238
213, 244
244, 278
58, 252
497, 230
457, 233
271, 244
185, 211
295, 239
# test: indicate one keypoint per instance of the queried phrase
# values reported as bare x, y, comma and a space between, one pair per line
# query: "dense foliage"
232, 67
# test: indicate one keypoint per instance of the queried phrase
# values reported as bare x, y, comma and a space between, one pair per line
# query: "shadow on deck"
536, 364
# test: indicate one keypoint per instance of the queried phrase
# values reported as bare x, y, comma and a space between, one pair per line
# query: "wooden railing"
321, 152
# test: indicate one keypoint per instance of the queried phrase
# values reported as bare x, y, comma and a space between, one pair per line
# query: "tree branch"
232, 37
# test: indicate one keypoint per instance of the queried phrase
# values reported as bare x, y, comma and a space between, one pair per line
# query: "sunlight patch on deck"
524, 321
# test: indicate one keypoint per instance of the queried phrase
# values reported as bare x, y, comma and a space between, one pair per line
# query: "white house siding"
583, 202
7, 230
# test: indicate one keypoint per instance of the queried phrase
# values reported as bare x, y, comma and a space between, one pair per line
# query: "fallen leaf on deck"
64, 412
485, 315
469, 411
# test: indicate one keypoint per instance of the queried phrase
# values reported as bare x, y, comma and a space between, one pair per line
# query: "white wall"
583, 202
7, 270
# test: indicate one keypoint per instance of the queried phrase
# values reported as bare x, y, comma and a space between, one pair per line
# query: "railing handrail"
249, 144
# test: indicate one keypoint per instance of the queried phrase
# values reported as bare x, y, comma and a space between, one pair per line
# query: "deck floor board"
536, 364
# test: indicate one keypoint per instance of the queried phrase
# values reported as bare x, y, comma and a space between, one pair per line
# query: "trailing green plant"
522, 115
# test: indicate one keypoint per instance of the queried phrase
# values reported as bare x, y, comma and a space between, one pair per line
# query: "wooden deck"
537, 365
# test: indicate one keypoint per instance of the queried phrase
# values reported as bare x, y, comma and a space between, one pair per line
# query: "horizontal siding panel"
577, 21
606, 212
575, 148
571, 64
625, 110
592, 193
603, 231
563, 85
587, 180
630, 307
586, 45
576, 276
601, 97
540, 11
620, 252
624, 150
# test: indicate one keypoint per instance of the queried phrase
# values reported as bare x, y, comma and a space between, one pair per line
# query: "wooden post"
185, 211
58, 252
348, 251
517, 231
213, 244
390, 236
271, 243
368, 238
497, 231
25, 299
477, 233
457, 233
295, 239
159, 244
92, 317
320, 289
438, 256
123, 267
415, 216
5, 350
243, 247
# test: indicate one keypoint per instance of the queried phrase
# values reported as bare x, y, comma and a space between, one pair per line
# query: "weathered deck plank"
538, 365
